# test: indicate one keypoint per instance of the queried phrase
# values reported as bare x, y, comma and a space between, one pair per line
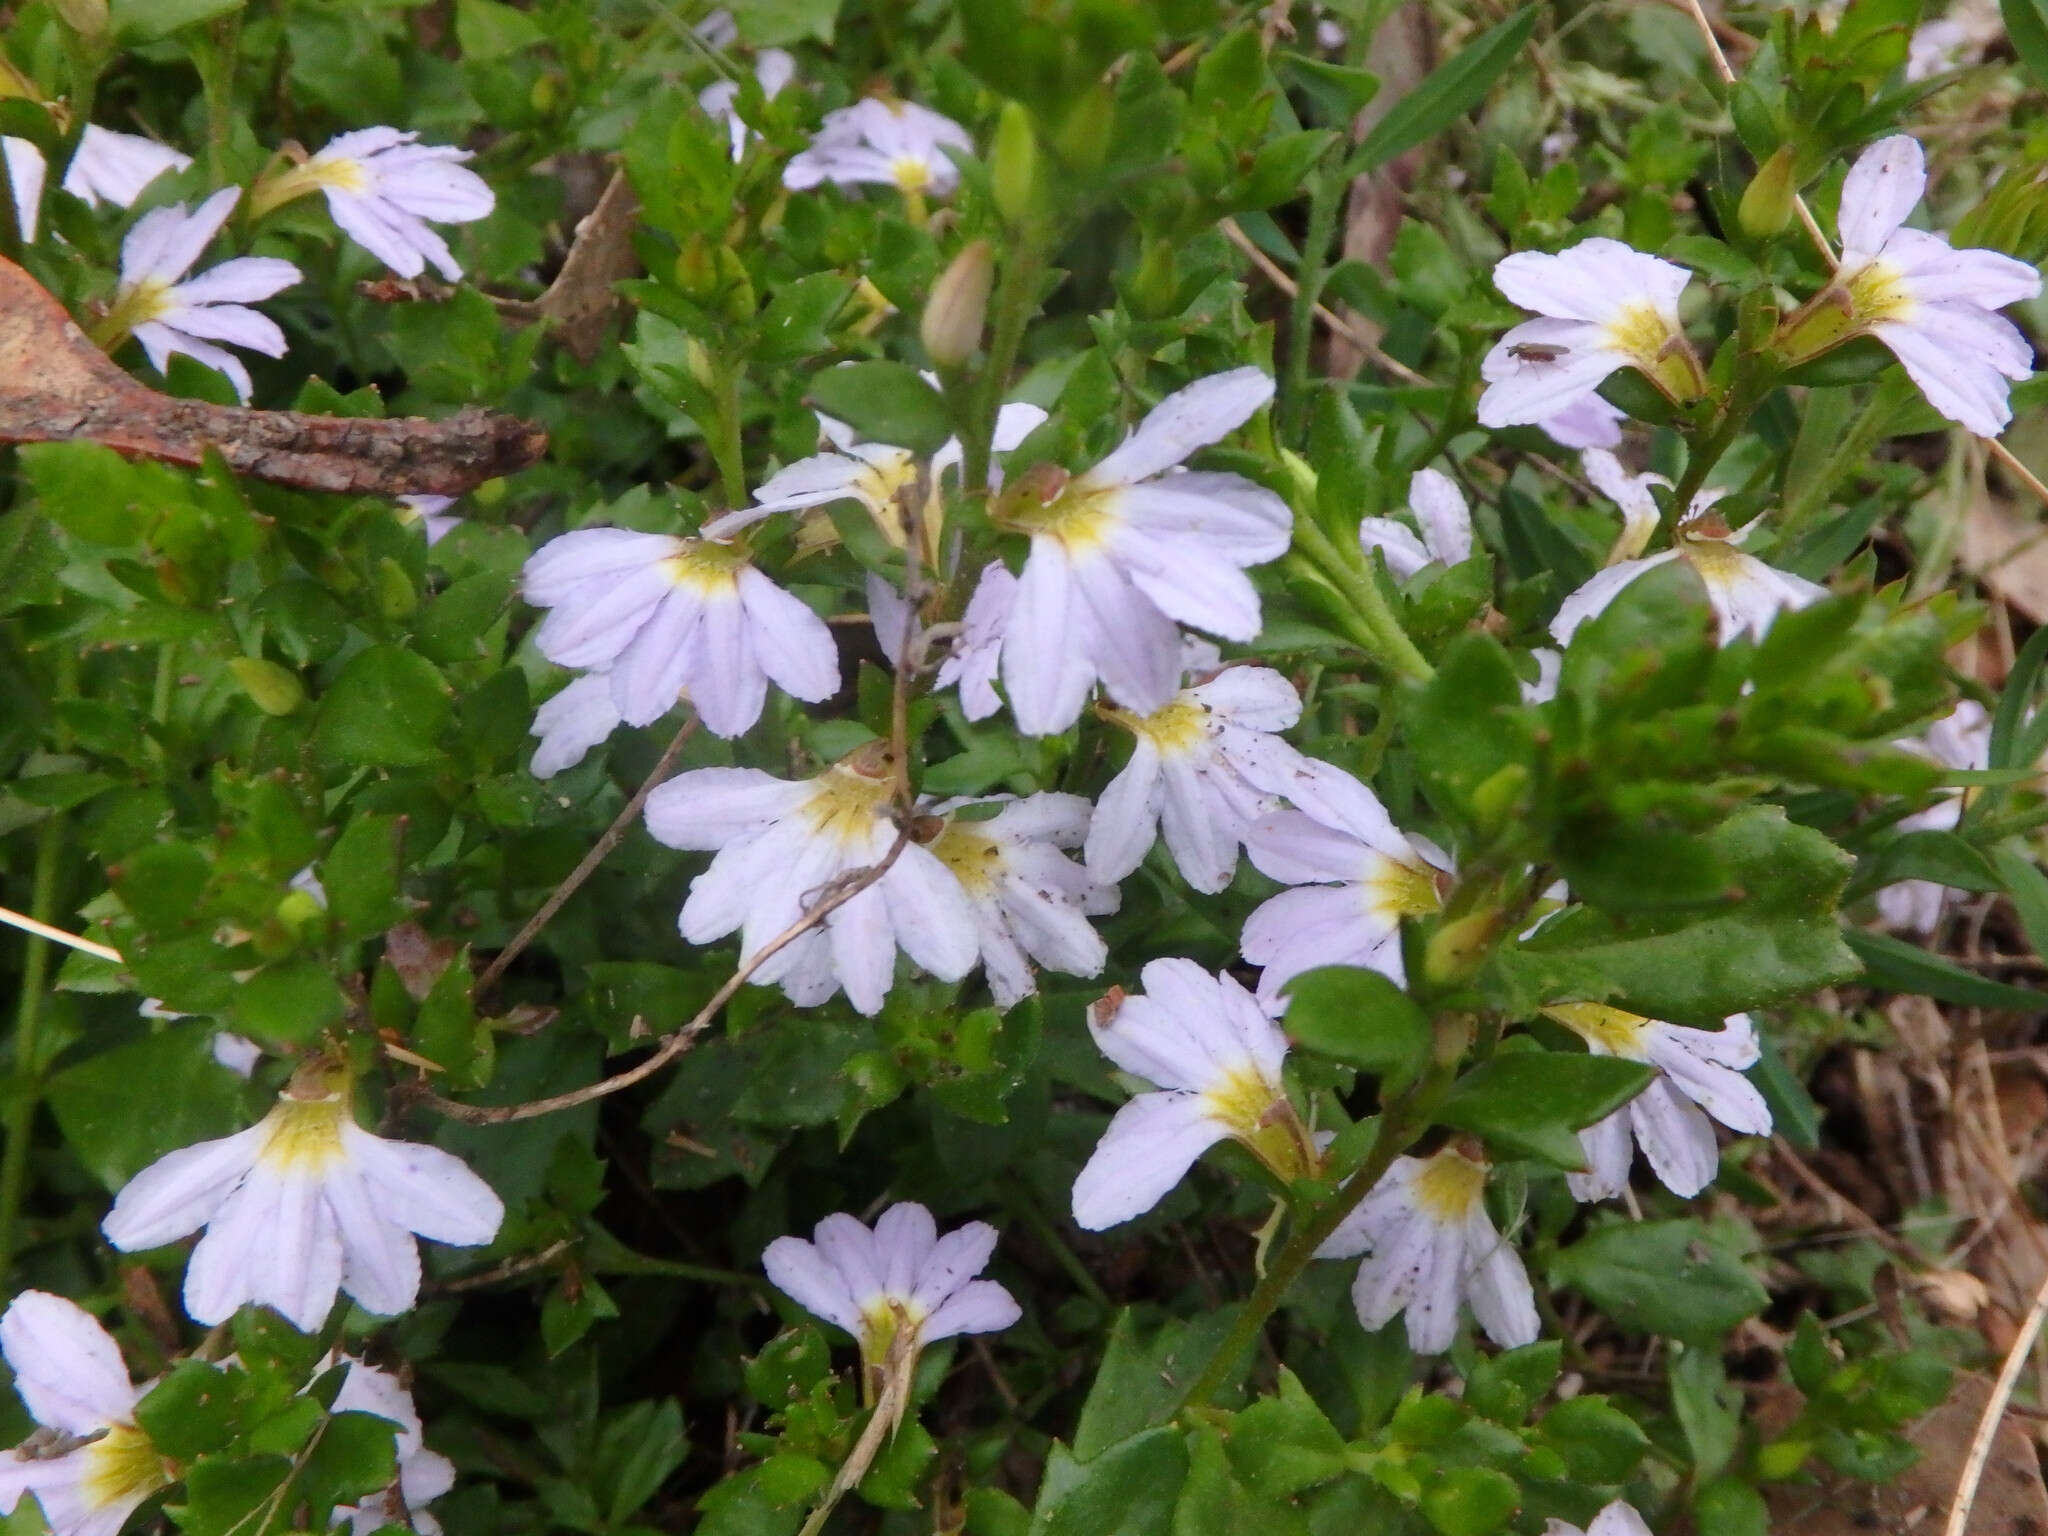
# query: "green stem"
1392, 648
726, 448
1309, 273
18, 1127
1016, 294
1404, 1121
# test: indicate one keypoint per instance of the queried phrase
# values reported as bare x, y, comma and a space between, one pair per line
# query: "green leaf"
1775, 934
288, 1004
1666, 1277
1598, 1442
1504, 1387
387, 709
489, 30
763, 22
163, 885
356, 1456
1467, 726
2028, 888
1901, 967
1708, 1409
1534, 1102
1446, 94
446, 1032
793, 326
1727, 1506
1470, 1501
191, 1411
885, 403
1143, 1375
1128, 1490
2026, 23
191, 1098
1284, 1444
361, 875
636, 1451
899, 1470
1360, 1018
147, 21
224, 1494
29, 561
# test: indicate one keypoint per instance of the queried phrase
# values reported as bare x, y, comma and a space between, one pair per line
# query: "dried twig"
56, 386
27, 924
599, 852
1279, 278
1994, 1415
581, 298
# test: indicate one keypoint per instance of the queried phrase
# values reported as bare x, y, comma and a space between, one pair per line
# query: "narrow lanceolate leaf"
1446, 95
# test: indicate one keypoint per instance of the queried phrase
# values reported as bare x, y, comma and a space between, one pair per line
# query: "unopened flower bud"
697, 268
1766, 206
954, 315
272, 688
1083, 139
1013, 164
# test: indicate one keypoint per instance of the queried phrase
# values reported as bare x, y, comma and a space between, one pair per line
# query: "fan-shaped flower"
431, 514
660, 613
1603, 306
1430, 1246
1616, 1519
1357, 877
1216, 1057
423, 1475
1441, 515
1699, 1073
782, 846
1588, 422
882, 143
1746, 595
897, 1287
111, 167
1933, 305
773, 68
26, 172
976, 649
1123, 552
382, 190
1030, 901
70, 1376
301, 1205
1204, 769
1960, 739
169, 313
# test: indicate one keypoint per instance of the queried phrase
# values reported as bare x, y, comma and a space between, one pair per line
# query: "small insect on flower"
1535, 352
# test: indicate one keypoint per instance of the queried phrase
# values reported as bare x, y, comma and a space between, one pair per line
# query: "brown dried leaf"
56, 386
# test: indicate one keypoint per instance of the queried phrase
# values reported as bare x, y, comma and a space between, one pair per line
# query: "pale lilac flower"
1617, 1519
1952, 41
1357, 876
1549, 669
26, 171
1124, 552
1631, 493
114, 167
238, 1053
1216, 1058
661, 614
773, 68
1603, 306
572, 722
69, 1374
1441, 515
423, 1475
1030, 901
1933, 305
718, 29
383, 189
782, 846
897, 1287
882, 143
1960, 739
1699, 1073
169, 313
877, 475
1429, 1247
1588, 422
1204, 769
431, 514
1745, 594
976, 646
301, 1205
